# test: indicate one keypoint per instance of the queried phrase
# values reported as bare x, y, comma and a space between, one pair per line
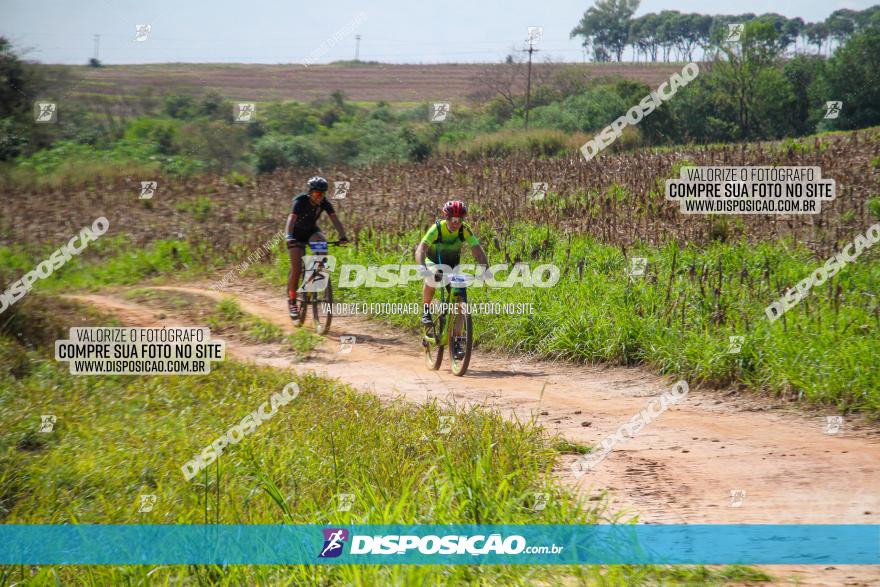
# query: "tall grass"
73, 173
110, 261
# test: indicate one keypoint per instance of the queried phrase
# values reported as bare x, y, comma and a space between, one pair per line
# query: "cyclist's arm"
480, 255
291, 220
338, 225
421, 253
476, 249
425, 244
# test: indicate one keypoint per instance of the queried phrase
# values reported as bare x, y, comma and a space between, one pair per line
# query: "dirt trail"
681, 468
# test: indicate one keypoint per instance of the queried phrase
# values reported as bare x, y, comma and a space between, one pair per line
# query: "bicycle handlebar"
334, 243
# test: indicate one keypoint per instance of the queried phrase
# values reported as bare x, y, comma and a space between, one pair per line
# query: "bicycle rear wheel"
434, 352
322, 308
462, 323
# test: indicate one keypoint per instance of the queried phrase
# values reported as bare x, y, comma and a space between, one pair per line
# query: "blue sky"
260, 31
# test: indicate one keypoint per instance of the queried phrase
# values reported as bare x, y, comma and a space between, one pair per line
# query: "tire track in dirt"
681, 468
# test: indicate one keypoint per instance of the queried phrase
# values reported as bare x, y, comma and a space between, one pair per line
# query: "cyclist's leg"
428, 293
459, 293
295, 253
453, 262
317, 237
458, 313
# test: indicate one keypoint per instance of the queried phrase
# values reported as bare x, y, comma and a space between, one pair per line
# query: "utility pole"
530, 50
357, 48
97, 45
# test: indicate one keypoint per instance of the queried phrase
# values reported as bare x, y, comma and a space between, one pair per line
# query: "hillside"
390, 82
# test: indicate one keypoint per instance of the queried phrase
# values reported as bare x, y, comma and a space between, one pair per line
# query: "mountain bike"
315, 288
452, 327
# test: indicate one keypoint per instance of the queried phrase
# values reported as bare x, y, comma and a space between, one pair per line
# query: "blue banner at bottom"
439, 544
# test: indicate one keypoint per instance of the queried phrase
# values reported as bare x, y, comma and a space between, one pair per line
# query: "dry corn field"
617, 198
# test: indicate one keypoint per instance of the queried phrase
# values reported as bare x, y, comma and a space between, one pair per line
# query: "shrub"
273, 151
157, 131
179, 106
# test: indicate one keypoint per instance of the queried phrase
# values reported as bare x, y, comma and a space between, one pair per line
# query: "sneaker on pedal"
458, 349
426, 319
292, 309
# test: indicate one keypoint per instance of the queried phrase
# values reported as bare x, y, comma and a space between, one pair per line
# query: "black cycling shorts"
303, 236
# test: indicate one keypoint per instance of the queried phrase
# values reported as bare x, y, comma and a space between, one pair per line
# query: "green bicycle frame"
447, 329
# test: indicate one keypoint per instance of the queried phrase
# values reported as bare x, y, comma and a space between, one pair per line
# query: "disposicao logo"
334, 541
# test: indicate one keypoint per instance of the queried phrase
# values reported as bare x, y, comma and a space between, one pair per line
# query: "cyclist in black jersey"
302, 226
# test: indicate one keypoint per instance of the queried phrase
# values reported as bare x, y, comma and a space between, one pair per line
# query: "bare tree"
501, 79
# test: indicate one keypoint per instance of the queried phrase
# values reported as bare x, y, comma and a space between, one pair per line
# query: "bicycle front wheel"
461, 344
322, 308
434, 352
302, 304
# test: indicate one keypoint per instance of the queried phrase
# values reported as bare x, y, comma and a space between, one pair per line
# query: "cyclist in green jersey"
441, 245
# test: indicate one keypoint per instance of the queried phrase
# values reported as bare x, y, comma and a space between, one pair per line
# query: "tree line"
608, 28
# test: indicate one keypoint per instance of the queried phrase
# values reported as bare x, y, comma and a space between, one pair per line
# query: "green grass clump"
229, 315
262, 331
110, 261
303, 341
564, 446
503, 143
199, 208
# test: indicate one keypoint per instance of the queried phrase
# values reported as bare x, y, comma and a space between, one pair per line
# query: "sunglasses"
455, 219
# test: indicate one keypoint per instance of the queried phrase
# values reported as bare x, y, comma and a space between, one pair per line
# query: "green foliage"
290, 118
14, 138
852, 75
590, 111
200, 207
218, 145
606, 27
114, 260
535, 142
228, 315
802, 73
236, 178
186, 107
180, 106
874, 207
303, 342
157, 133
13, 358
274, 150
